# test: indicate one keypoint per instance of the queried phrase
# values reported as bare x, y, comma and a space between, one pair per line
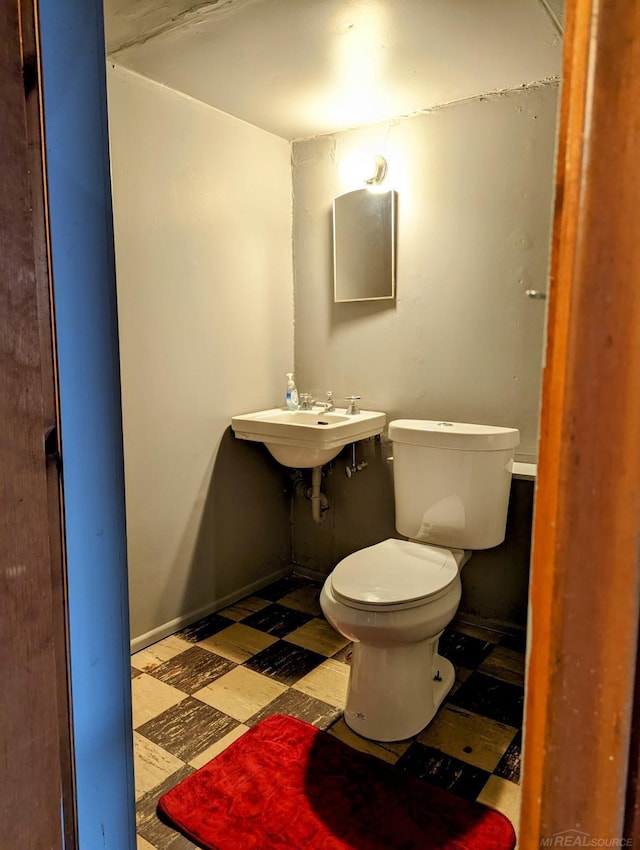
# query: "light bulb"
363, 167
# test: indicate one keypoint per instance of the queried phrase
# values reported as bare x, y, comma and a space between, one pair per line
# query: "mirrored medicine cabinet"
364, 245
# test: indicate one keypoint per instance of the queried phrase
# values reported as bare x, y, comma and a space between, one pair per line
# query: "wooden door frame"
585, 573
38, 779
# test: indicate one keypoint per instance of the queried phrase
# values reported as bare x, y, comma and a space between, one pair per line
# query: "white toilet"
394, 599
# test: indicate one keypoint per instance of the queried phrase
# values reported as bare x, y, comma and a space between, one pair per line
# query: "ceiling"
301, 68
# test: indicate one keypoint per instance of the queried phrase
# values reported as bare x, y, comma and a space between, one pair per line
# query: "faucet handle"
330, 402
305, 401
352, 409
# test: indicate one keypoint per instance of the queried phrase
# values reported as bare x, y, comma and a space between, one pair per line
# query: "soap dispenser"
292, 393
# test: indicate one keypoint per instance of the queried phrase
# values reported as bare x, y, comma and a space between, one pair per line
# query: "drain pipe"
319, 502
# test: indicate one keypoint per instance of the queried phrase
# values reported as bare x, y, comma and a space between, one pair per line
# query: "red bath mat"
285, 785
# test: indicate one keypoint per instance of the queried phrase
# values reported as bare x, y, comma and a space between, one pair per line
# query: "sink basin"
304, 438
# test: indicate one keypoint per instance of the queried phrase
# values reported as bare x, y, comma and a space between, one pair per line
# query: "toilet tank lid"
453, 435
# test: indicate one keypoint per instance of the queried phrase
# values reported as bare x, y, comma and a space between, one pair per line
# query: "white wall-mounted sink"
305, 438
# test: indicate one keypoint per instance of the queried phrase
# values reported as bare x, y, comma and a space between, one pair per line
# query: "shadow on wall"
351, 312
244, 534
495, 581
361, 513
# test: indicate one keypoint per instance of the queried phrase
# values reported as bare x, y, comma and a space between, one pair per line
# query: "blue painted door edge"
84, 292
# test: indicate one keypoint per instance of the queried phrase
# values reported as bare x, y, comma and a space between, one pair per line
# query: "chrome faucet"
353, 409
328, 406
305, 401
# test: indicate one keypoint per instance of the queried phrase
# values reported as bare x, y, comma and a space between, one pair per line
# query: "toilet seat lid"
395, 572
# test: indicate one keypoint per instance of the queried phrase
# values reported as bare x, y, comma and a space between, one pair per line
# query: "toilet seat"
395, 575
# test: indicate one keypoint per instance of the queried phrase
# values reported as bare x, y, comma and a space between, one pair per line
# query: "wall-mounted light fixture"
361, 167
377, 171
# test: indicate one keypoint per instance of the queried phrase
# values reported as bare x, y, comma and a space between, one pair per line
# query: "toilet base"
394, 692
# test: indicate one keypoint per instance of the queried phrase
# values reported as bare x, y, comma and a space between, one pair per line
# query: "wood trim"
32, 73
632, 809
37, 760
585, 572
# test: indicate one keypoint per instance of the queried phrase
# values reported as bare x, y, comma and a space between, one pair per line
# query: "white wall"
202, 208
205, 285
461, 341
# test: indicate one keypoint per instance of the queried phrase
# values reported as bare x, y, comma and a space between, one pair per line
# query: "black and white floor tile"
197, 691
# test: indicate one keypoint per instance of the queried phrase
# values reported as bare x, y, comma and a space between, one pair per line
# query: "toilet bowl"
393, 599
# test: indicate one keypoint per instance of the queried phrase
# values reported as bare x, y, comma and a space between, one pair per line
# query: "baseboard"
306, 572
173, 626
506, 629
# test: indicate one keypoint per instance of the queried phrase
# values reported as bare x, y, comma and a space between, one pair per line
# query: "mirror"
364, 246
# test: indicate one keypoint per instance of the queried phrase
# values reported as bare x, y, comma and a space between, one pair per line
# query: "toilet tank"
452, 481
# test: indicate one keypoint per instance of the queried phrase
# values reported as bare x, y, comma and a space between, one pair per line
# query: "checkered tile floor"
198, 690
